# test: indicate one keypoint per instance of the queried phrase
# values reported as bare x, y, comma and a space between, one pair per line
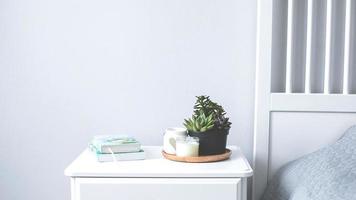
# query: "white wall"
71, 69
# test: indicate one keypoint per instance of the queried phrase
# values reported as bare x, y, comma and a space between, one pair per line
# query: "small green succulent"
200, 123
207, 115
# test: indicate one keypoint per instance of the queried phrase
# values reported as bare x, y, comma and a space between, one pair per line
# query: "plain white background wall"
71, 69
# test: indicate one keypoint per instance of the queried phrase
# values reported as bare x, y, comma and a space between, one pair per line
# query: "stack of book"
116, 148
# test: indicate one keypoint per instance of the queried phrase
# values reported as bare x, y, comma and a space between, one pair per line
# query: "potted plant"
210, 125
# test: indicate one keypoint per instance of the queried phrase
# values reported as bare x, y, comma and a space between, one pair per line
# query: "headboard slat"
347, 47
289, 49
328, 40
309, 47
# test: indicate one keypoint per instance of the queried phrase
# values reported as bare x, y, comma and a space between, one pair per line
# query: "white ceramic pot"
170, 137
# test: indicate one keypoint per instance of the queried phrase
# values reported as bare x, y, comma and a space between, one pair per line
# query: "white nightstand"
158, 179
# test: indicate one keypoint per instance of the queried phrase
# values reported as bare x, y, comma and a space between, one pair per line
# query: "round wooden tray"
199, 159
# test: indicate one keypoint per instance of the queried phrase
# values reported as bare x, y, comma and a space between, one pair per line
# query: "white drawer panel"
157, 189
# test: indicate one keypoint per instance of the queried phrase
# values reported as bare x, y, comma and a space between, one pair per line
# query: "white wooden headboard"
305, 80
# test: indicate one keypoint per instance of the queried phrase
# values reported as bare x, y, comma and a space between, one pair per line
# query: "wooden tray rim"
199, 159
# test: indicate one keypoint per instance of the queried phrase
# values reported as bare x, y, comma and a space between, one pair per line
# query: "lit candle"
188, 146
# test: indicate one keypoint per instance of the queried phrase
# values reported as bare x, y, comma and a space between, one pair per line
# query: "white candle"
187, 147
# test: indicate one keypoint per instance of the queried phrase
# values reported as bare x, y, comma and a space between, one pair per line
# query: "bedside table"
158, 179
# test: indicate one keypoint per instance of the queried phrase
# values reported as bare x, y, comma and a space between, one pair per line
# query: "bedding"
327, 174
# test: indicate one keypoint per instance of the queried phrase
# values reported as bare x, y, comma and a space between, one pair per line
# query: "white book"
122, 148
110, 157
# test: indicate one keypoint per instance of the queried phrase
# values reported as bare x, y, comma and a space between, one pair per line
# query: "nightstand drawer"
157, 188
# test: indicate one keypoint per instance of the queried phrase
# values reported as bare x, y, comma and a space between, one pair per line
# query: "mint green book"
114, 144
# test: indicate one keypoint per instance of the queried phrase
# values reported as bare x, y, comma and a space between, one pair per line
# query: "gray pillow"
327, 174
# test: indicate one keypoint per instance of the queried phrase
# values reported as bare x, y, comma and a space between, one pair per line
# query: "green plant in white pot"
210, 125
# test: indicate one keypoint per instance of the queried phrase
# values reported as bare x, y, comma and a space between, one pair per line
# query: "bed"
305, 83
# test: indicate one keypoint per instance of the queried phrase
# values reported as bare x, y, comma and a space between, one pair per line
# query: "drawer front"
156, 189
